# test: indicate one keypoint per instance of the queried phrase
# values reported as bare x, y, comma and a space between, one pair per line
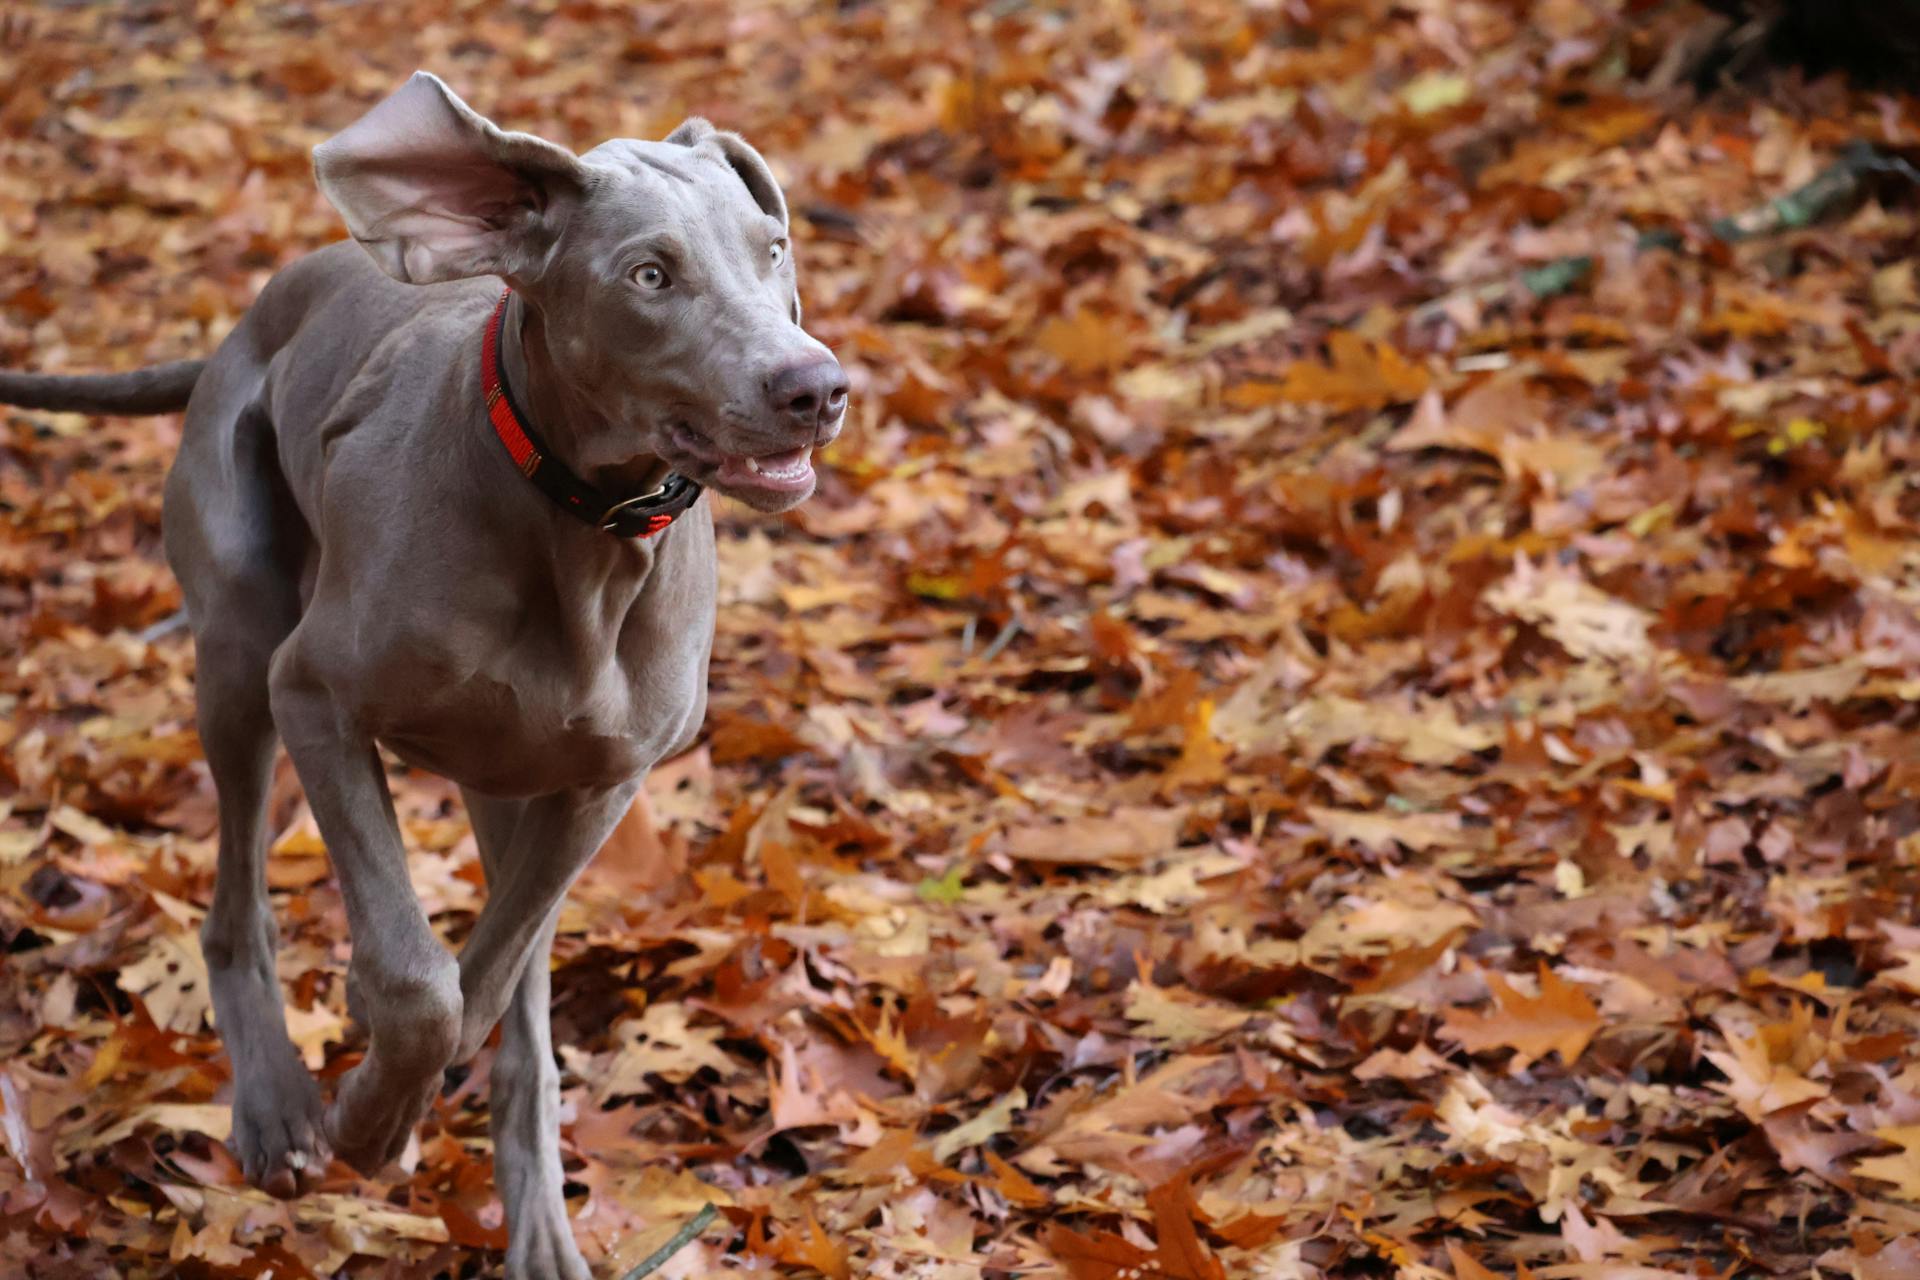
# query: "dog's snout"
809, 393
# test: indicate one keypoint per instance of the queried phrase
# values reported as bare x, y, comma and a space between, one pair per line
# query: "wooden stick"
681, 1238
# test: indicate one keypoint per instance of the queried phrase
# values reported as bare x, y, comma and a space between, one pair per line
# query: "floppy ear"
741, 157
435, 191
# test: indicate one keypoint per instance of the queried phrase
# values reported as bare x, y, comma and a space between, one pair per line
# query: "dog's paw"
369, 1123
541, 1247
278, 1135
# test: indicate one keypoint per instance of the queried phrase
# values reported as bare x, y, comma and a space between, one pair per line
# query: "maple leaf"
1561, 1018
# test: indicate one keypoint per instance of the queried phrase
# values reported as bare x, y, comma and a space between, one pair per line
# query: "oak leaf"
1561, 1018
1358, 375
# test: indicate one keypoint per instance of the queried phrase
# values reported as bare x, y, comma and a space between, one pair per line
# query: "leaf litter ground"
1346, 706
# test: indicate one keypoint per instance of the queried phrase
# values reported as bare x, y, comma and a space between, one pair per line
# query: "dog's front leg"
532, 851
553, 839
409, 985
526, 1088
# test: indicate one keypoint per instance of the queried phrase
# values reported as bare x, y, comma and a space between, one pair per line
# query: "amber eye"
650, 275
778, 252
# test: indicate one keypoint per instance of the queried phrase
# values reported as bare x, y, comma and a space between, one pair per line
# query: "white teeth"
789, 467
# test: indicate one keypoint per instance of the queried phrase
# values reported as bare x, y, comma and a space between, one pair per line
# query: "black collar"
640, 516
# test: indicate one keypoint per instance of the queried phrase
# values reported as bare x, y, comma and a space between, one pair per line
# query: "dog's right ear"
691, 131
436, 191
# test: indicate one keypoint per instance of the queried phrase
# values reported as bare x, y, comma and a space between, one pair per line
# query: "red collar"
636, 517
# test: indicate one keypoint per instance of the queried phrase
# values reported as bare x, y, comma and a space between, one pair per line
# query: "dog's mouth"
785, 471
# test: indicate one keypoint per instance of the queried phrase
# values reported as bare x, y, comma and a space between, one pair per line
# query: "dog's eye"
778, 252
650, 275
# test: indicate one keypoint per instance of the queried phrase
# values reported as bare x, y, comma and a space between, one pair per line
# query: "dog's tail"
162, 388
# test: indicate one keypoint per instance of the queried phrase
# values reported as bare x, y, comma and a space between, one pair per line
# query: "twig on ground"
681, 1239
1829, 193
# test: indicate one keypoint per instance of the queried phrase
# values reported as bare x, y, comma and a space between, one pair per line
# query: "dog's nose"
810, 393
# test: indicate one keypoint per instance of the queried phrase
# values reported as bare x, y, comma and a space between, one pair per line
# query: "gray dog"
415, 510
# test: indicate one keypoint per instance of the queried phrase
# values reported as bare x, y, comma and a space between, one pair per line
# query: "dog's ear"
436, 191
753, 171
691, 131
749, 164
741, 157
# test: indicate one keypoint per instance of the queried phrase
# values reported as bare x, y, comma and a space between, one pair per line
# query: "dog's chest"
537, 700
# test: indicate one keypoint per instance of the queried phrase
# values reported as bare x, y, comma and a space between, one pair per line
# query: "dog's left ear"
436, 191
741, 157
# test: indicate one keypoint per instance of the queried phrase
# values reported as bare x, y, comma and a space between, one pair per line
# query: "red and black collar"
637, 517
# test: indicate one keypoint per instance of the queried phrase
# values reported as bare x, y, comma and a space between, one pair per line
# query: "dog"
439, 490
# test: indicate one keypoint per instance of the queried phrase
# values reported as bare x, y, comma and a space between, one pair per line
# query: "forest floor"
1346, 706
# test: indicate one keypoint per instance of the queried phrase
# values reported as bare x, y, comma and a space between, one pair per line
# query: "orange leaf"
636, 856
1167, 706
1466, 1266
1085, 342
1013, 1184
1250, 1230
1180, 1255
814, 1248
783, 872
1099, 1255
1203, 757
1561, 1017
1359, 375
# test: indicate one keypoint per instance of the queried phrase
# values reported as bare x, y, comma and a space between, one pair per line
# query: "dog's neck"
561, 414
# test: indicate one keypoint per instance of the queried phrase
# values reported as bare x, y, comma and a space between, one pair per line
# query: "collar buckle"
610, 518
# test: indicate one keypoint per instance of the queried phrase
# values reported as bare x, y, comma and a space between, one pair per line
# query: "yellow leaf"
1180, 1018
1903, 1170
1435, 91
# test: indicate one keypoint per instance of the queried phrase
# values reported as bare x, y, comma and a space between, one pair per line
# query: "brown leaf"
1126, 838
1179, 1253
1096, 1255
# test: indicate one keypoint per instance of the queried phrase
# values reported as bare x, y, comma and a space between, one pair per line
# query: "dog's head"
660, 271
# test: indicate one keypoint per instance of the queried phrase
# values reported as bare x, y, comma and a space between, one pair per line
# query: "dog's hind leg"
237, 544
526, 1089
